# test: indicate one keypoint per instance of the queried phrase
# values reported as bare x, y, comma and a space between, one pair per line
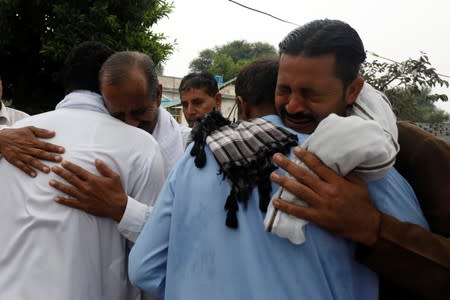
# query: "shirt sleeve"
147, 181
410, 256
133, 219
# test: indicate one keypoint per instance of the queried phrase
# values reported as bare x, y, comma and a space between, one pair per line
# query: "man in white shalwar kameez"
53, 252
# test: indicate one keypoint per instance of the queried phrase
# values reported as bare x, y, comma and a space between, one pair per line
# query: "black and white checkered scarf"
244, 152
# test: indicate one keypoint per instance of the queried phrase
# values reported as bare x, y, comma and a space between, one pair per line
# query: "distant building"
441, 130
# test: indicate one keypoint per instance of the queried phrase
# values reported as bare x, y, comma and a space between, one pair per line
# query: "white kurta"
168, 134
52, 252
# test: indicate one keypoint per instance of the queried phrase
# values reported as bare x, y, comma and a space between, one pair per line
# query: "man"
142, 85
8, 115
395, 249
21, 148
239, 259
50, 251
255, 89
199, 95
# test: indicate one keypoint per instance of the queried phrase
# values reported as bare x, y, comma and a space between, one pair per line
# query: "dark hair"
326, 36
82, 66
257, 81
199, 80
117, 68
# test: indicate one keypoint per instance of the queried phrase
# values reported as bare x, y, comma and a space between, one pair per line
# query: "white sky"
398, 29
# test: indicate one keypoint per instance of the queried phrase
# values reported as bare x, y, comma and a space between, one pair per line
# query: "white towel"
364, 142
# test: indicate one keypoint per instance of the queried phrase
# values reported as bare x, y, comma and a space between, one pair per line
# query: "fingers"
104, 169
24, 167
315, 164
42, 133
70, 202
69, 176
296, 210
66, 189
48, 147
300, 173
37, 164
296, 188
81, 173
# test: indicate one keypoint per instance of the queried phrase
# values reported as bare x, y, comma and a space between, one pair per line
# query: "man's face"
308, 91
131, 102
196, 103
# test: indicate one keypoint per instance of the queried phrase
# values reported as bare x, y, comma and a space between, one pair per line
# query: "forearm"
411, 257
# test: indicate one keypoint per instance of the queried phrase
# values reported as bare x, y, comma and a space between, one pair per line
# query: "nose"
191, 111
296, 104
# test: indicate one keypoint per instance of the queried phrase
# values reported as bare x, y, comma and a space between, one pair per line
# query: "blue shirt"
185, 251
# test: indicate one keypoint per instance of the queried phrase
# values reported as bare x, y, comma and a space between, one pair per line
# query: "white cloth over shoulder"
365, 143
9, 116
168, 134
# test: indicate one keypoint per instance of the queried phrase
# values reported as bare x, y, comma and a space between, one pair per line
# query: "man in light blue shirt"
186, 251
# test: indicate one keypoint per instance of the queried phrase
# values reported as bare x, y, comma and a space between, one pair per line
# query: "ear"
353, 90
244, 110
159, 95
218, 99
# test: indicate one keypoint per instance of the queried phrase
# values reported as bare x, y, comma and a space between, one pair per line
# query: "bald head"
130, 88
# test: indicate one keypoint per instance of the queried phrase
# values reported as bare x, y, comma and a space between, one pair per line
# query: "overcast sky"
396, 29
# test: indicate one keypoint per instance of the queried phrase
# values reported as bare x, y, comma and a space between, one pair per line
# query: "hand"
341, 205
22, 148
101, 196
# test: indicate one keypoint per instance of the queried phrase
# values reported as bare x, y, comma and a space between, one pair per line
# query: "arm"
101, 195
148, 258
22, 148
343, 206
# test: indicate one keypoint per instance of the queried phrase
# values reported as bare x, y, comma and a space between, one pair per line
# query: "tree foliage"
228, 59
35, 37
408, 85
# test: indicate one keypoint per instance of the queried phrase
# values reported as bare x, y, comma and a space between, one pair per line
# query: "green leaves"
408, 85
227, 60
35, 37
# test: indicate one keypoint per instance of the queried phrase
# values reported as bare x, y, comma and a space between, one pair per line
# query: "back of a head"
322, 37
257, 81
199, 80
82, 66
118, 67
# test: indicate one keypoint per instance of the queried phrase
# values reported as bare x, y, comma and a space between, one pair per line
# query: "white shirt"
168, 134
9, 115
52, 252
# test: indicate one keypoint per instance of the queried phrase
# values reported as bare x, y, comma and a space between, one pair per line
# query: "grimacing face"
308, 91
196, 103
130, 102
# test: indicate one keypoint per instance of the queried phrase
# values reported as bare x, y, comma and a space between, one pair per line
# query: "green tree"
408, 85
35, 37
228, 59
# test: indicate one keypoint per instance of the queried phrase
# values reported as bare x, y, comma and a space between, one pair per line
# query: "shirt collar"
82, 99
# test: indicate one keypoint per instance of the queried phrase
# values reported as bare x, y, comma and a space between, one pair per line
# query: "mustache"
298, 116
